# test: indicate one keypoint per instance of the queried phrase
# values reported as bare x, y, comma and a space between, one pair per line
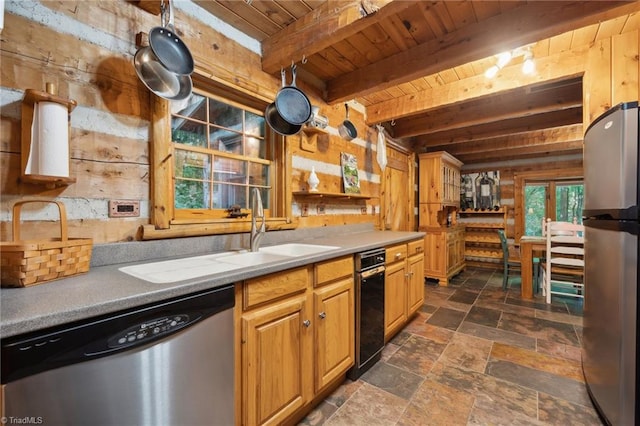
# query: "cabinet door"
276, 358
334, 331
415, 288
395, 297
435, 256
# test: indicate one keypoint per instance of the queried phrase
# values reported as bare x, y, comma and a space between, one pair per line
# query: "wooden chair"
563, 271
511, 262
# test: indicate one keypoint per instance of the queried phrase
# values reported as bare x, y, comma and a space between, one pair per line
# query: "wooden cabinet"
439, 181
297, 337
439, 194
482, 243
404, 285
444, 256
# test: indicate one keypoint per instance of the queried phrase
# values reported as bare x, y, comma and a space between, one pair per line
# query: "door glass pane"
229, 170
534, 207
569, 202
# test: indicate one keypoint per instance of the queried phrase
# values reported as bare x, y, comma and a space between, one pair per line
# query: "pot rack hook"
304, 59
393, 122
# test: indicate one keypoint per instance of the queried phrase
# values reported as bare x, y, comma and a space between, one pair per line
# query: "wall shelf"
320, 194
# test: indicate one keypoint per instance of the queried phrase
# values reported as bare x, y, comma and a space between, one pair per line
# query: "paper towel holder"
31, 97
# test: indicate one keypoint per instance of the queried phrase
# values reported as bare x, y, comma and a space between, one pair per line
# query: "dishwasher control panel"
149, 330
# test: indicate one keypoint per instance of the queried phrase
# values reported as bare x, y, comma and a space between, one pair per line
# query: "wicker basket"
25, 263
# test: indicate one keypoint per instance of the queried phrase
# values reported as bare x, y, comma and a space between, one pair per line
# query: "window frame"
164, 223
552, 177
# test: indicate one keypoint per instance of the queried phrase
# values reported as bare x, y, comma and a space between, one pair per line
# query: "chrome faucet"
256, 211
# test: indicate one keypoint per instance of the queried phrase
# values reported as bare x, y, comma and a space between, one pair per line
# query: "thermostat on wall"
124, 208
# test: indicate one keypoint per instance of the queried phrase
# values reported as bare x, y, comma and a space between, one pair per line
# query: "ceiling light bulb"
503, 59
491, 72
528, 67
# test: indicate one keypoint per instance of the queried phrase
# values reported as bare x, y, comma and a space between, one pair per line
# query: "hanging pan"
158, 79
291, 102
347, 130
276, 121
170, 50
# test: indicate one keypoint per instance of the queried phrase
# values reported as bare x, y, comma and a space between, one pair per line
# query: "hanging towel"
381, 155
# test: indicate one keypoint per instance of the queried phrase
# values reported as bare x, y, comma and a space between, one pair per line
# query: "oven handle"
371, 272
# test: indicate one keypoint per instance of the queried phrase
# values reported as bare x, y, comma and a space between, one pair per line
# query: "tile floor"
474, 355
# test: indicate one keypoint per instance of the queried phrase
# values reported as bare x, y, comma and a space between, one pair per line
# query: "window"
558, 200
220, 154
555, 194
207, 156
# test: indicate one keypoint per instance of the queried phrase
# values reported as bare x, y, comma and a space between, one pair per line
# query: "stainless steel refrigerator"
610, 332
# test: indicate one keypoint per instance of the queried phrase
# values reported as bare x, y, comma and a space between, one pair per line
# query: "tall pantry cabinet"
439, 199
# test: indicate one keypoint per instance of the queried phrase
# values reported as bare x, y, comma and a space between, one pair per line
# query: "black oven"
369, 310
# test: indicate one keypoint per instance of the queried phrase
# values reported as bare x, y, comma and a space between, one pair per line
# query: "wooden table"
529, 245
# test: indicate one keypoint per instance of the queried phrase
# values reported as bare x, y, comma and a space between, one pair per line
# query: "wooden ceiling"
398, 57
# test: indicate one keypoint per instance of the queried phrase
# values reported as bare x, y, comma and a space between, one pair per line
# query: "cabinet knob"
398, 255
322, 315
306, 323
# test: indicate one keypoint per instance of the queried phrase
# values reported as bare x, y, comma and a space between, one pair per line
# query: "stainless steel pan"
160, 80
347, 130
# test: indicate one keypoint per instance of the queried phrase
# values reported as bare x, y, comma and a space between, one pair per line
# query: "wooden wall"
86, 49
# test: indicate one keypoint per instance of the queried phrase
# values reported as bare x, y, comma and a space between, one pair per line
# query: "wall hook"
304, 59
393, 122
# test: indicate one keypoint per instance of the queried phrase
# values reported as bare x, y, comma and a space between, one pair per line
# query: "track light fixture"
528, 66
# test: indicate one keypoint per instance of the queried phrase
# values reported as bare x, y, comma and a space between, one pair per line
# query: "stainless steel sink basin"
297, 249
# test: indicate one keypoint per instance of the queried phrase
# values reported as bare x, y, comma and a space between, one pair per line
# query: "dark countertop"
105, 289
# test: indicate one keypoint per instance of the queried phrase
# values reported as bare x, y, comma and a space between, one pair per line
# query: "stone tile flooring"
474, 355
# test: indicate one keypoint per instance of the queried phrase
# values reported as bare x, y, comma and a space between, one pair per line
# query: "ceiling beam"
516, 27
513, 104
551, 150
319, 29
499, 128
562, 66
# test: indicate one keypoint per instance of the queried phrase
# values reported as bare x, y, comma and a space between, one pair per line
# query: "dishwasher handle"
371, 272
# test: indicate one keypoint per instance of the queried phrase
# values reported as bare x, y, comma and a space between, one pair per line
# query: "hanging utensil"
292, 104
347, 130
276, 121
168, 48
160, 80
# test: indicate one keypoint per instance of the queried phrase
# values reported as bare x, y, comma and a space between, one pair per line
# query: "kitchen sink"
297, 249
252, 258
168, 271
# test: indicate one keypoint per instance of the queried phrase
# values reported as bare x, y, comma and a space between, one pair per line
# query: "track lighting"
528, 66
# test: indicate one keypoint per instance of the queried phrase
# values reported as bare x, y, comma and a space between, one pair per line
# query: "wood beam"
555, 135
512, 104
500, 128
516, 27
550, 68
550, 150
319, 29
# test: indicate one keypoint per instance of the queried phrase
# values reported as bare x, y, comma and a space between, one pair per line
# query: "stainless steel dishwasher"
169, 363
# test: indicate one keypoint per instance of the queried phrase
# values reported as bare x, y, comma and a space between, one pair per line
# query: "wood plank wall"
86, 49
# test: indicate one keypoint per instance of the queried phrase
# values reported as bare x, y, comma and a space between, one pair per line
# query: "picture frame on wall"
350, 177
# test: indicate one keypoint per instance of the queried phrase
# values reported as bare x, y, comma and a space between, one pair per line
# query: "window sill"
217, 227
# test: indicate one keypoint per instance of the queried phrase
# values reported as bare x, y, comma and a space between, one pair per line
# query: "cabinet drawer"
275, 286
333, 269
415, 247
396, 253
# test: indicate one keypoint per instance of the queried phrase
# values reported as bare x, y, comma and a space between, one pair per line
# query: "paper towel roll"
49, 154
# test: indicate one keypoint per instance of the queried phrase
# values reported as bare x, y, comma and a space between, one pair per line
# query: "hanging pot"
168, 48
158, 79
279, 124
291, 102
347, 130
